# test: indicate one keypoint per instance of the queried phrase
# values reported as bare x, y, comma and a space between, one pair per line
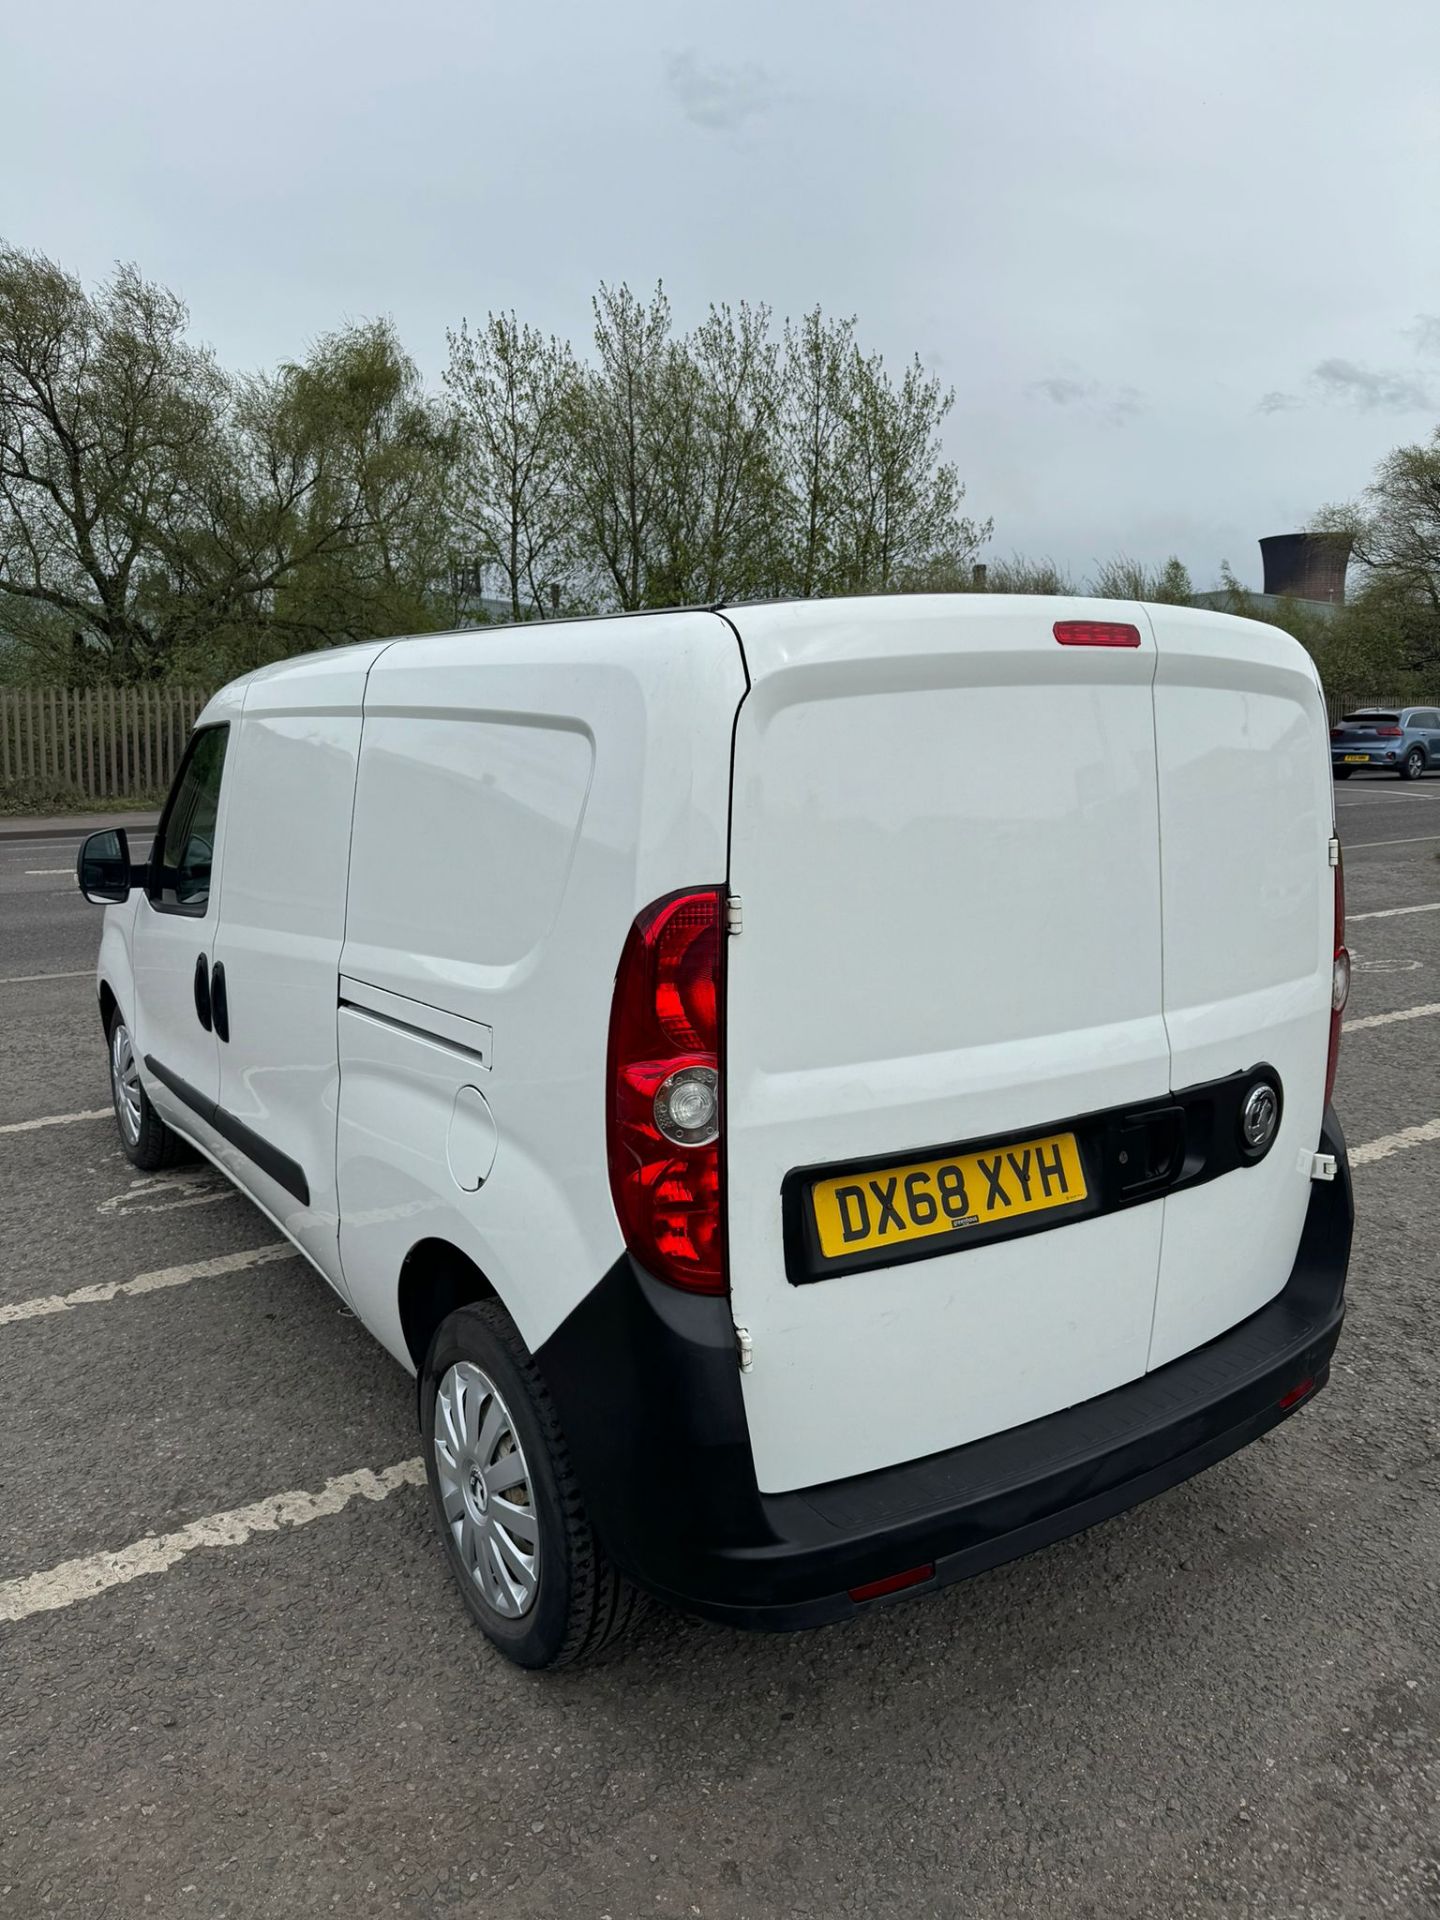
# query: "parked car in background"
1406, 741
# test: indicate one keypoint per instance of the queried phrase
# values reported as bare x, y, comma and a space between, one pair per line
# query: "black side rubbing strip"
284, 1171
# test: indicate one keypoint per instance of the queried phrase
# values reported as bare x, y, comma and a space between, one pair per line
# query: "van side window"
185, 845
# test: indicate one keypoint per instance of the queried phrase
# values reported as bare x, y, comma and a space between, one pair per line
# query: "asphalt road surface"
216, 1703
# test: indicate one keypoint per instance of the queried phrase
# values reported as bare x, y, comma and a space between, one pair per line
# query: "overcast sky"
1177, 257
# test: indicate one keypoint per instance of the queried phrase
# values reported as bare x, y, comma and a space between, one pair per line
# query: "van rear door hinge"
732, 913
1321, 1166
1334, 851
744, 1349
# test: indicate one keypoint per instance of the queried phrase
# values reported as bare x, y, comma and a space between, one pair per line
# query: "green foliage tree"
159, 515
725, 464
108, 419
1125, 579
1390, 627
1019, 574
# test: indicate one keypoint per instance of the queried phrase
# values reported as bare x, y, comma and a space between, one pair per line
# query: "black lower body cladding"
648, 1389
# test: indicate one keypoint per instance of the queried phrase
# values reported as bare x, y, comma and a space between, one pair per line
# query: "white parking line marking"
75, 1580
1384, 1019
56, 1120
98, 1296
149, 1195
24, 979
46, 873
1360, 846
1389, 1143
1368, 799
1392, 913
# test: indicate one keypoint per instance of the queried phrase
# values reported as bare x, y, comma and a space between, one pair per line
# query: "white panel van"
826, 1097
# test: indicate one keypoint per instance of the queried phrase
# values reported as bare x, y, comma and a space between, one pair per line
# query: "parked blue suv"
1406, 742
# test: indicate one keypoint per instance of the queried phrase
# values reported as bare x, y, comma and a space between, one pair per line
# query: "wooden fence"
1338, 703
101, 743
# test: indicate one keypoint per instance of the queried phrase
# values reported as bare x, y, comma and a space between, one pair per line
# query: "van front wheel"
148, 1142
506, 1500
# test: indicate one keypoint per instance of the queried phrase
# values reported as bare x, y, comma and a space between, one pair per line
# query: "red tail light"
1389, 733
1096, 633
664, 1090
1339, 979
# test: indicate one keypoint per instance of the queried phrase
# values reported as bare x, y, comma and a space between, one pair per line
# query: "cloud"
1062, 391
1341, 382
714, 95
1114, 405
1372, 390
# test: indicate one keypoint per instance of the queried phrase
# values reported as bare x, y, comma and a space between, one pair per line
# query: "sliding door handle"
220, 1001
203, 1011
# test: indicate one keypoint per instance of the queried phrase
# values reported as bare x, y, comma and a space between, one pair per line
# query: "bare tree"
512, 393
614, 426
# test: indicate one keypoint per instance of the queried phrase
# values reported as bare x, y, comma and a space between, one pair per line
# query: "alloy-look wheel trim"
486, 1490
125, 1082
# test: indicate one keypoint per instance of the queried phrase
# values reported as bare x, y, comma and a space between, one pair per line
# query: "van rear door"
946, 846
1246, 816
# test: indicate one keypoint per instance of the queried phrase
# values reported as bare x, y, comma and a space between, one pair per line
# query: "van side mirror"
102, 868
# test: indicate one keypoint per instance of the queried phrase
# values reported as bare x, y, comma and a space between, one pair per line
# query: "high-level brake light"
1096, 633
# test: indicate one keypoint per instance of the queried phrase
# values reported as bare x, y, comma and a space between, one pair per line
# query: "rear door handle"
220, 1001
202, 993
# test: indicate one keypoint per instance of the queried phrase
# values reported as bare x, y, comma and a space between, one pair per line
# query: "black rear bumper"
648, 1389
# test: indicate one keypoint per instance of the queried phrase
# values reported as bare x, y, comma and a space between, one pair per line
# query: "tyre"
1343, 773
148, 1142
1413, 765
506, 1499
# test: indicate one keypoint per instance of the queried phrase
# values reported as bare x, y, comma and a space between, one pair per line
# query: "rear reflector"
1296, 1394
893, 1583
1096, 633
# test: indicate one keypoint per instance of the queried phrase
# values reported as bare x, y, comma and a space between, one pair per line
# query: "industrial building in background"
1306, 566
1307, 569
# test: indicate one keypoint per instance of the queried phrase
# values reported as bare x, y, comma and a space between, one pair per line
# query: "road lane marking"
1384, 1019
98, 1296
1392, 913
1389, 1143
56, 1120
46, 873
24, 979
82, 1579
1361, 846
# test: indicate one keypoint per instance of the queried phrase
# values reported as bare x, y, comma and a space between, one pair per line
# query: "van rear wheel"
148, 1142
506, 1500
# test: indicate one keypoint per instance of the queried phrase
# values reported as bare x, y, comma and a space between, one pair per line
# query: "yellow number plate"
1356, 759
857, 1213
